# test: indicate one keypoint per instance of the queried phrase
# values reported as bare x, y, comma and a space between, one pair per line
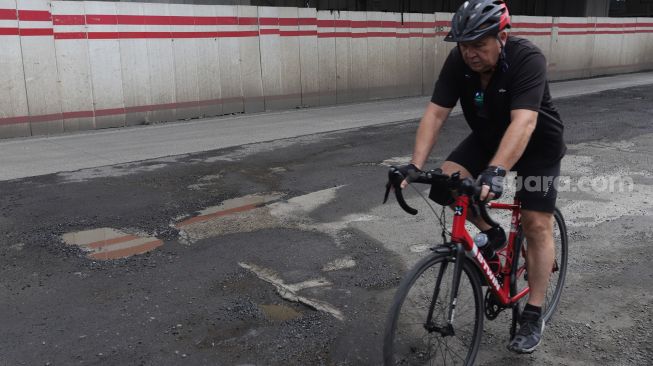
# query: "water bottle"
480, 240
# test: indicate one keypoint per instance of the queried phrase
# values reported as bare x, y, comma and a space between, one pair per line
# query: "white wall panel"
442, 48
608, 46
73, 66
250, 58
208, 63
429, 48
40, 65
326, 57
645, 32
135, 67
161, 65
416, 53
106, 69
571, 47
390, 67
185, 60
630, 56
231, 86
343, 56
535, 29
291, 86
271, 56
308, 57
402, 55
375, 54
13, 96
359, 69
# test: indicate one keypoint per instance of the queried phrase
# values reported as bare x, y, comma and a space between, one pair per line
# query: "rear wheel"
558, 271
413, 337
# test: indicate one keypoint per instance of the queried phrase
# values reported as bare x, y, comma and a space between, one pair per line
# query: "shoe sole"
528, 350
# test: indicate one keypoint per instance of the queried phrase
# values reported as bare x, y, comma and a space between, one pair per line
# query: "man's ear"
503, 37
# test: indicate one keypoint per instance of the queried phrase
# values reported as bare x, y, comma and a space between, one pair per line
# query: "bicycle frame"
460, 236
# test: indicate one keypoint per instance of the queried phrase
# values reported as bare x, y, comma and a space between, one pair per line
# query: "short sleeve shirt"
520, 84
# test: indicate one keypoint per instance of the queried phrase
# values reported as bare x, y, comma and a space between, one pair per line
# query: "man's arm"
515, 139
513, 144
428, 131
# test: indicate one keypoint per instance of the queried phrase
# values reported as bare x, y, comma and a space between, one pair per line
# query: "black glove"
492, 177
408, 171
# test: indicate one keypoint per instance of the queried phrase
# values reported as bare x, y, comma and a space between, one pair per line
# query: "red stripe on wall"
575, 25
68, 20
8, 14
8, 31
14, 120
288, 22
46, 117
79, 114
269, 31
104, 35
246, 21
206, 21
101, 19
307, 21
532, 25
30, 32
34, 15
518, 33
70, 35
109, 112
298, 33
194, 34
326, 23
268, 21
182, 20
238, 34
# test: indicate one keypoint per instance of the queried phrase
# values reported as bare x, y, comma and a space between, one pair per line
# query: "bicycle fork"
447, 330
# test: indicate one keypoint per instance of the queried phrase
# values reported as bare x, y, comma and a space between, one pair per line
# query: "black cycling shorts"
536, 186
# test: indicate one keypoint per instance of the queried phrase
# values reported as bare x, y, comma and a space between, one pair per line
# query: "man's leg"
538, 230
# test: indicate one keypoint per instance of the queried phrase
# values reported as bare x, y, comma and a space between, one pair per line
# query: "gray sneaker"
529, 336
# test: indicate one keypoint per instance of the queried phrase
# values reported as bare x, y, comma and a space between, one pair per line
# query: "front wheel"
417, 329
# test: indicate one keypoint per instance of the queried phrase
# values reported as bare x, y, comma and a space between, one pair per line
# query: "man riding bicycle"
501, 83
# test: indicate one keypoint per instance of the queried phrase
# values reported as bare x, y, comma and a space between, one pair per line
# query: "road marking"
229, 207
289, 291
108, 243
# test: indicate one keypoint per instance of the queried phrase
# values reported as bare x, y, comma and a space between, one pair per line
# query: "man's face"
482, 55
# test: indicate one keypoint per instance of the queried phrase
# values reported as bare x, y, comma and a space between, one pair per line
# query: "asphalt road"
280, 253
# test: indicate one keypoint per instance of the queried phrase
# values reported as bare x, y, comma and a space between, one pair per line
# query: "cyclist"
501, 83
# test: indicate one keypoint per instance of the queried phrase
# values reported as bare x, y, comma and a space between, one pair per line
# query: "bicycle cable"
442, 218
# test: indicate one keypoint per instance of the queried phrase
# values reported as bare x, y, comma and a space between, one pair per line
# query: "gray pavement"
36, 156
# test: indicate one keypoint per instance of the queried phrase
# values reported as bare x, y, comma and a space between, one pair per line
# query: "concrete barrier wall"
80, 65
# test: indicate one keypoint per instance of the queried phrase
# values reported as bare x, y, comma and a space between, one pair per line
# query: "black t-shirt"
523, 85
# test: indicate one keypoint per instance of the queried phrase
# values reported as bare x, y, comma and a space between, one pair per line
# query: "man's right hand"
407, 171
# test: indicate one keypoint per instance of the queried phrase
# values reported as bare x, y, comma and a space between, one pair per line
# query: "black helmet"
478, 18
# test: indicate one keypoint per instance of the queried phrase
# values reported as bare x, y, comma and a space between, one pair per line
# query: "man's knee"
537, 225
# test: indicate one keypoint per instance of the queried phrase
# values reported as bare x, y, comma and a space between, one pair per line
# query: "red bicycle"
437, 314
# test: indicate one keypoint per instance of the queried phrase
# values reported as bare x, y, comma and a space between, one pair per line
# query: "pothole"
108, 243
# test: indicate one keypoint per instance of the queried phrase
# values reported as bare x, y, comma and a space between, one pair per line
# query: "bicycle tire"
557, 280
401, 346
